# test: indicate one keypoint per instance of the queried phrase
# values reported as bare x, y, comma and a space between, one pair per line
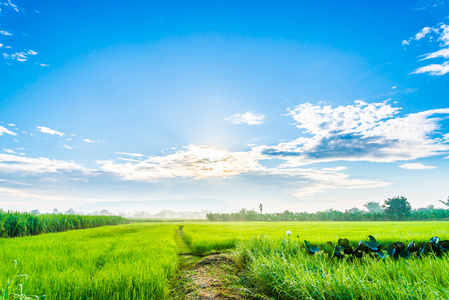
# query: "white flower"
288, 232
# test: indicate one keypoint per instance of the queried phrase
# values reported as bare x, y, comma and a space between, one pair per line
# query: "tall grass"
17, 224
204, 237
283, 271
134, 261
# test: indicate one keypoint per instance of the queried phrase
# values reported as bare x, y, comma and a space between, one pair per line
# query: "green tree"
397, 208
373, 207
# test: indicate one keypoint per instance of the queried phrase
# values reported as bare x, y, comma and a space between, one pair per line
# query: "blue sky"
298, 105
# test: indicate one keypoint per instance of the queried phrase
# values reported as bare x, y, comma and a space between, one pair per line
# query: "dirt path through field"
213, 276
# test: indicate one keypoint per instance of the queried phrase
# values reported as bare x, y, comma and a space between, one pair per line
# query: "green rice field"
141, 261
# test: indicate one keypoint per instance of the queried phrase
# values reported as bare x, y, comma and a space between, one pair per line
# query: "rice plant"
134, 261
17, 224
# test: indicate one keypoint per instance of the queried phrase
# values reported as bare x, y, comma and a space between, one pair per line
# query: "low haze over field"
299, 105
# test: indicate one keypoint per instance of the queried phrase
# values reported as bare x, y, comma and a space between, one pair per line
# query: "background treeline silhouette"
393, 209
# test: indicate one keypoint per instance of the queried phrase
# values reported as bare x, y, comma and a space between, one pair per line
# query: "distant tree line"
393, 209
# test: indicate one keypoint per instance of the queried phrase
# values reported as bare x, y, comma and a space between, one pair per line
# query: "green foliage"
281, 272
397, 208
134, 261
375, 214
16, 224
205, 237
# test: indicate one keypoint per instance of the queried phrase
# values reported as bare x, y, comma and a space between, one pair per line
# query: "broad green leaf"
343, 242
405, 254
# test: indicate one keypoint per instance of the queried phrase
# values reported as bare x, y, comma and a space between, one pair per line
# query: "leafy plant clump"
372, 248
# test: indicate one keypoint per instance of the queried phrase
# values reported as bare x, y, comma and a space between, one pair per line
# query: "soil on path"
212, 277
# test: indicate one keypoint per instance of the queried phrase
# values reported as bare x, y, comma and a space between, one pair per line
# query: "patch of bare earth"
212, 277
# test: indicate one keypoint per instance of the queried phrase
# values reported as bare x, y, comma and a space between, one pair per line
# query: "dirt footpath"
212, 277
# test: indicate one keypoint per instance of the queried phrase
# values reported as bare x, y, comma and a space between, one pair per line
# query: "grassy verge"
285, 271
133, 261
207, 237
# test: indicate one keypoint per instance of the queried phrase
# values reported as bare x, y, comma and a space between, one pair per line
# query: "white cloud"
48, 131
3, 32
14, 182
19, 56
250, 118
25, 165
4, 130
325, 120
372, 132
423, 33
420, 35
129, 154
12, 125
88, 141
440, 53
192, 162
442, 35
434, 69
360, 132
10, 4
67, 147
10, 151
42, 65
416, 166
202, 162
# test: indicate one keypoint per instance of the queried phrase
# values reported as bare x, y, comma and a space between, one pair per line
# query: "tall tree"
397, 208
373, 207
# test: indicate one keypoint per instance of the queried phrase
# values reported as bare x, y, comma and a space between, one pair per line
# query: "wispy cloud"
19, 56
421, 34
11, 5
416, 166
49, 131
9, 52
88, 141
439, 33
4, 130
25, 165
192, 162
4, 32
129, 154
67, 147
429, 4
10, 151
22, 166
434, 69
440, 53
250, 118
